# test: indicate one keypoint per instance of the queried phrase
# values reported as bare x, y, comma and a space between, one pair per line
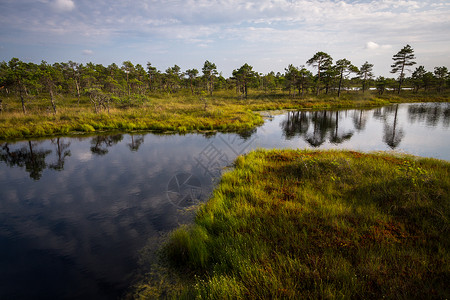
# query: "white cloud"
374, 46
87, 52
63, 5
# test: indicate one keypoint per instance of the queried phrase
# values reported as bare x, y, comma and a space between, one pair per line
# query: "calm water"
75, 212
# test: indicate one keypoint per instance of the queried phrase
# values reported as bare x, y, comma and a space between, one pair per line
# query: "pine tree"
402, 59
365, 73
322, 61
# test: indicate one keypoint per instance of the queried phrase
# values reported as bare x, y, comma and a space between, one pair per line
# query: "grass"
158, 115
179, 113
300, 224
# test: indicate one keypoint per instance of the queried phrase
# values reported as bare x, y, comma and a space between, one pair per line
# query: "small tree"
429, 80
49, 77
172, 78
18, 74
244, 77
381, 83
344, 67
137, 84
297, 78
89, 75
98, 99
128, 68
75, 75
291, 75
365, 73
321, 61
304, 79
418, 78
403, 59
209, 72
151, 72
191, 74
441, 74
4, 70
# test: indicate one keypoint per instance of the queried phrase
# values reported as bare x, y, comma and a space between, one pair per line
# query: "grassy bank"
306, 224
181, 113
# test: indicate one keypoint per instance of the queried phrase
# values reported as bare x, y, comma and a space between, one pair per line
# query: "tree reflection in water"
295, 124
33, 155
28, 156
336, 137
246, 134
430, 113
318, 126
101, 143
393, 135
321, 125
325, 124
378, 113
61, 153
136, 142
359, 119
446, 115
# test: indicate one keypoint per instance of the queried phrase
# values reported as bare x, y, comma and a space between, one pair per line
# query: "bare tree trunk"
150, 83
94, 103
318, 79
401, 78
78, 92
364, 83
31, 151
211, 86
23, 101
128, 85
192, 87
107, 105
245, 90
52, 101
339, 88
395, 123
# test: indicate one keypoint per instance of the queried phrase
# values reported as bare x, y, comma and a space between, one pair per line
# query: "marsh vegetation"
308, 224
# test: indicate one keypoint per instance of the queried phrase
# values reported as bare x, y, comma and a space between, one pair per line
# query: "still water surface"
75, 212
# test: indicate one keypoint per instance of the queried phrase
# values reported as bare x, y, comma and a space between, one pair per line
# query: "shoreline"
175, 115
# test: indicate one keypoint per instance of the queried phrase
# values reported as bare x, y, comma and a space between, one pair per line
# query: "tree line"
119, 84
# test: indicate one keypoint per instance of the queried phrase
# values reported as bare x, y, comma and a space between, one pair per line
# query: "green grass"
224, 111
161, 117
307, 224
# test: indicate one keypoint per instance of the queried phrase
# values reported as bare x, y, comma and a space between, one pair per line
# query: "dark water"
75, 212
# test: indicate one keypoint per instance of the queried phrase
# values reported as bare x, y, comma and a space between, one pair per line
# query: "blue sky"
267, 34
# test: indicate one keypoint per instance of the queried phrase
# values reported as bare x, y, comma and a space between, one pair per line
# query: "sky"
267, 34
